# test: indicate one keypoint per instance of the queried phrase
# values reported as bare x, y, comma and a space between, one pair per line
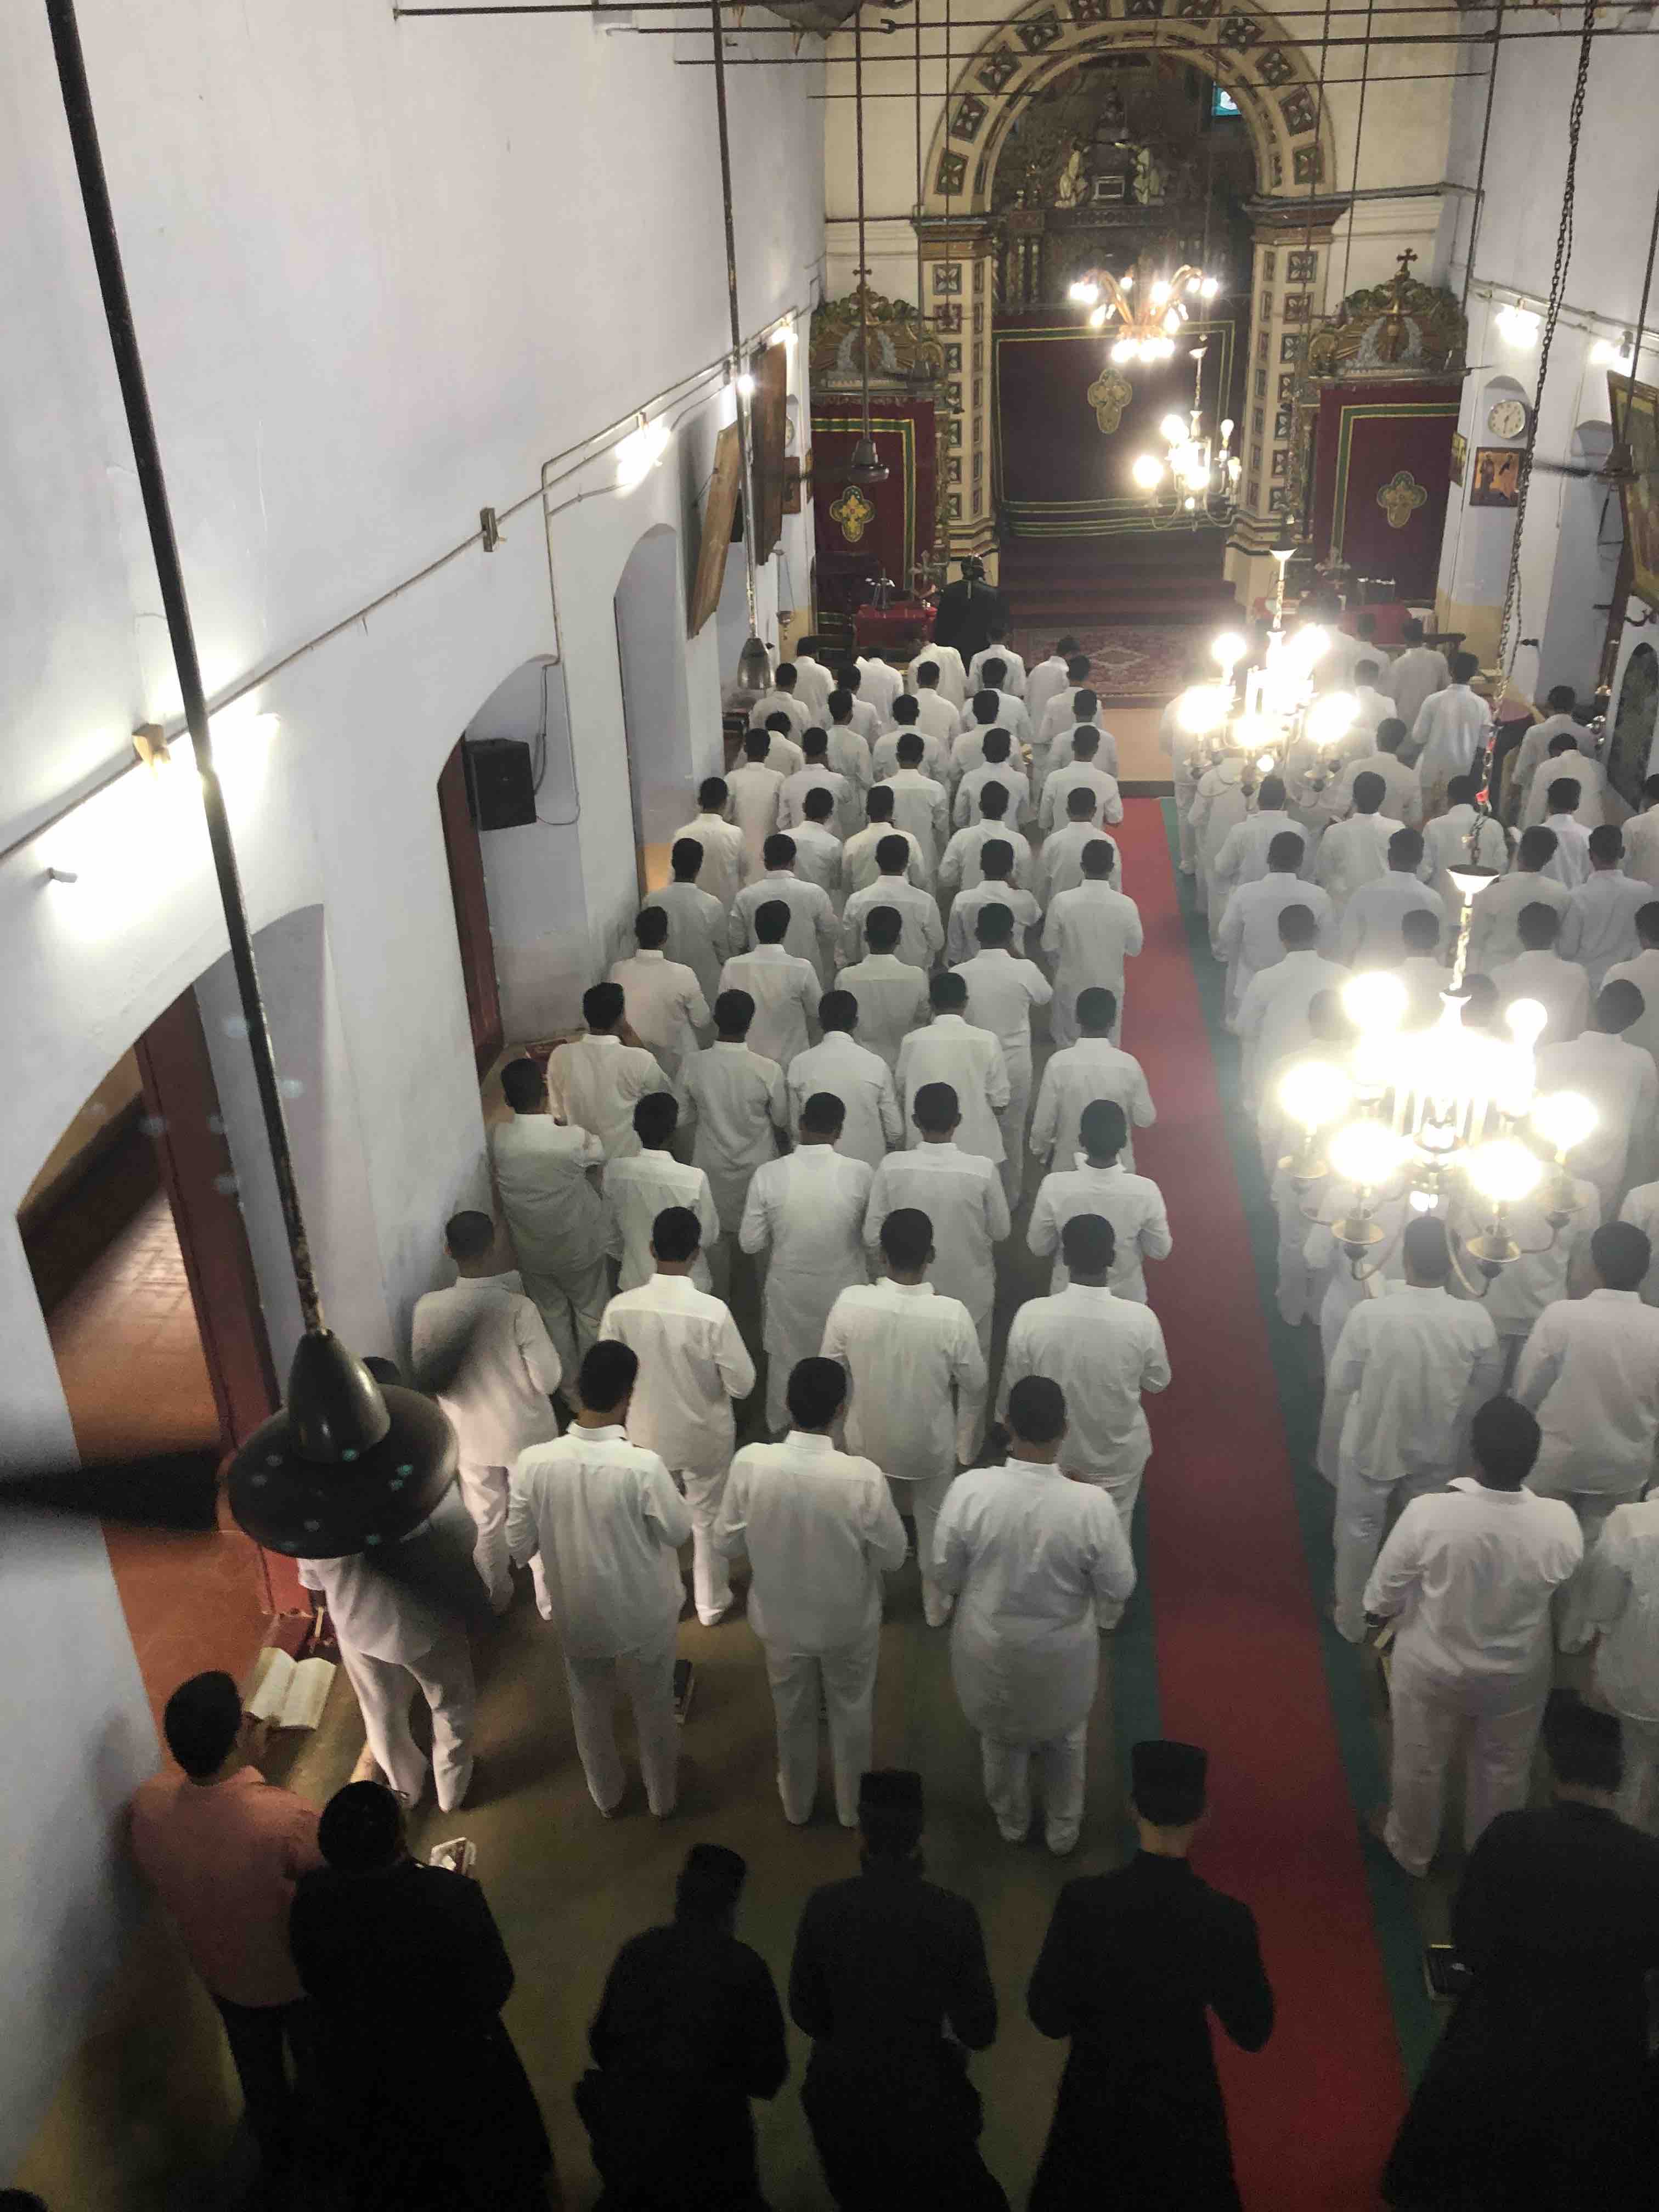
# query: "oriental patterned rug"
1134, 664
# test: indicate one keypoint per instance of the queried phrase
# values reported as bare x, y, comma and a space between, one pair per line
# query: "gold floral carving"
855, 513
1400, 497
1108, 395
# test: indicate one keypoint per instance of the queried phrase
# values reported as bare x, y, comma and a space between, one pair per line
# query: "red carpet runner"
1238, 1657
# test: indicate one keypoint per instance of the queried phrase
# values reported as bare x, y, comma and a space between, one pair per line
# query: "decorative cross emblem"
1108, 395
855, 513
1400, 497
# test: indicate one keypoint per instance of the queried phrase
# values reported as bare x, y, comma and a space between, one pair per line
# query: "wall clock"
1508, 418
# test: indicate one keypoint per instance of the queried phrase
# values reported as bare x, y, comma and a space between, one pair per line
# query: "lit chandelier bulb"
1525, 1019
1174, 428
1148, 472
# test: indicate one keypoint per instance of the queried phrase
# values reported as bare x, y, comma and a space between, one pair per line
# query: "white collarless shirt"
1601, 924
1494, 935
721, 872
860, 867
1560, 987
637, 1190
697, 925
1449, 730
961, 934
1621, 1599
786, 992
1001, 993
1569, 862
1104, 1352
892, 999
922, 933
1620, 1080
1644, 972
960, 867
608, 1522
1413, 678
596, 1082
960, 1194
692, 1365
498, 1399
1409, 1372
665, 1004
557, 1218
1272, 1015
820, 1529
863, 1082
1590, 1373
1074, 1078
972, 1061
1132, 1204
1369, 936
917, 1380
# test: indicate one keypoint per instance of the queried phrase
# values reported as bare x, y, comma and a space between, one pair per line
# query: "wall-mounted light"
150, 744
1620, 356
1518, 326
62, 876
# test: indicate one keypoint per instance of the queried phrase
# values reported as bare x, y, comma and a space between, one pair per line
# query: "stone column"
959, 259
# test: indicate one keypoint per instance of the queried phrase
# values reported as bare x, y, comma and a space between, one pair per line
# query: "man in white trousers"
1089, 933
593, 1081
697, 922
820, 1531
960, 1192
861, 1078
483, 1351
1249, 935
1620, 1607
1469, 1573
1272, 1018
741, 1107
1002, 992
890, 993
719, 841
692, 1364
638, 1189
950, 1048
1032, 1560
916, 1383
1094, 1068
806, 1212
393, 1641
1097, 1182
561, 1232
663, 1001
1354, 852
1407, 1373
1104, 1352
1600, 929
608, 1522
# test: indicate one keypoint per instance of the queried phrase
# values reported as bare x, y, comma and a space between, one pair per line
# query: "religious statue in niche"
1072, 187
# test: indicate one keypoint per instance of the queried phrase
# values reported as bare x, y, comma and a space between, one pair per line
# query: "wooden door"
182, 1102
467, 886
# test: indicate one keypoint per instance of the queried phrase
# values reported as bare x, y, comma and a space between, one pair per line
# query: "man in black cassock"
966, 612
689, 2030
890, 1980
1132, 1964
1534, 2099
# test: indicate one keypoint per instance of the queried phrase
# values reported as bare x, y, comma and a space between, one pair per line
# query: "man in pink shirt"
223, 1849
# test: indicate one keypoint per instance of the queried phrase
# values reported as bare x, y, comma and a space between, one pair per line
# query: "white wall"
381, 272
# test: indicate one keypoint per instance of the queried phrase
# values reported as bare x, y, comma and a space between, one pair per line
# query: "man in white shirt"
755, 798
890, 994
1013, 678
1060, 862
1569, 862
1002, 991
861, 1078
1620, 1080
820, 1531
1369, 934
1461, 837
1402, 787
1098, 1183
949, 1050
1642, 972
542, 1170
1409, 1372
848, 749
1555, 1261
1411, 677
1032, 1560
1083, 713
393, 1640
1533, 748
1242, 857
1621, 1607
1080, 773
960, 1193
781, 699
919, 804
1355, 852
608, 1523
592, 1081
783, 752
996, 887
813, 682
858, 865
818, 847
1089, 933
1539, 972
1059, 710
1641, 839
1048, 679
816, 775
963, 867
1450, 732
739, 1098
1183, 748
883, 754
1494, 934
916, 1383
1250, 922
1469, 1573
693, 1364
784, 987
936, 712
869, 716
1590, 1373
1423, 972
807, 1212
1006, 709
995, 767
663, 1002
1104, 1352
813, 925
1219, 802
938, 668
1601, 926
1093, 1067
1566, 764
1270, 1019
637, 1189
696, 920
721, 839
1373, 706
481, 1350
922, 933
882, 685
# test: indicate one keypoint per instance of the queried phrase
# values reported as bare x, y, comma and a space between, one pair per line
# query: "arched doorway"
656, 712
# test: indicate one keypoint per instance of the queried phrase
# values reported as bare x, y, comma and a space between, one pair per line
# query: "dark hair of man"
1097, 1010
656, 1117
1621, 1255
1607, 845
1088, 1244
907, 1238
733, 1013
676, 1234
757, 744
838, 1010
889, 1831
1650, 790
893, 855
360, 1829
1390, 735
468, 1235
1537, 848
779, 850
1561, 743
816, 1392
814, 743
986, 704
1037, 1410
995, 674
201, 1722
1098, 859
947, 992
772, 922
1405, 851
651, 929
685, 857
993, 925
1462, 789
1537, 926
1086, 741
1464, 668
1085, 705
905, 710
1103, 1127
1561, 699
996, 860
1504, 1437
712, 794
1412, 630
1065, 649
783, 677
910, 749
850, 677
1077, 669
936, 1107
1583, 1745
709, 1885
1419, 930
523, 1086
608, 1370
993, 801
1369, 792
878, 802
883, 925
780, 725
822, 1116
818, 804
1562, 795
807, 646
1426, 1252
927, 676
1298, 926
841, 704
1080, 803
603, 1006
1647, 923
1366, 672
1284, 851
997, 745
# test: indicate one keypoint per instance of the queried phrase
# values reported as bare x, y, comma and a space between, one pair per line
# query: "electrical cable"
1359, 134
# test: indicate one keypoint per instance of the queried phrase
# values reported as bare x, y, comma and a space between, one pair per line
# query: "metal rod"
1193, 54
751, 512
1359, 134
499, 7
158, 514
864, 266
1480, 166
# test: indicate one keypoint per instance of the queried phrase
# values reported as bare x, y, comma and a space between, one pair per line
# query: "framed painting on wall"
1459, 455
1636, 408
1497, 476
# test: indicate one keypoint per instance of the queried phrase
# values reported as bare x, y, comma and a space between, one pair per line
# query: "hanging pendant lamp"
866, 465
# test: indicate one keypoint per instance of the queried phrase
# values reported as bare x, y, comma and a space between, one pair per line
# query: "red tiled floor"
131, 1362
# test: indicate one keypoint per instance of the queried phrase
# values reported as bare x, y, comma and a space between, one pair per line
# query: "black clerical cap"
890, 1789
1167, 1780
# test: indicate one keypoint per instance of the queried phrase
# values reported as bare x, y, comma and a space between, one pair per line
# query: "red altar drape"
864, 529
1376, 447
